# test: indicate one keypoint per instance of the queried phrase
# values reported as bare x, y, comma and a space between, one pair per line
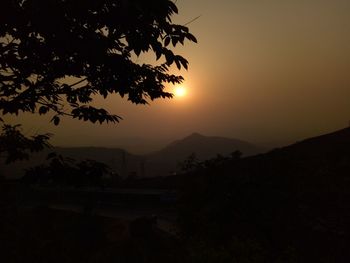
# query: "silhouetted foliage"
192, 163
94, 44
14, 145
67, 171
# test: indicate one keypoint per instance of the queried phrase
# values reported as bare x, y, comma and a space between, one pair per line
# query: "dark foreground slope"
289, 205
44, 235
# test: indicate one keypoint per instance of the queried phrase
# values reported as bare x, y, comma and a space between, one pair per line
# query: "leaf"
184, 62
157, 48
174, 41
169, 57
43, 110
178, 65
167, 41
191, 37
55, 120
158, 55
173, 7
137, 51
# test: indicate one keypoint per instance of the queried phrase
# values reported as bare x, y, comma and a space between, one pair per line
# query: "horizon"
142, 146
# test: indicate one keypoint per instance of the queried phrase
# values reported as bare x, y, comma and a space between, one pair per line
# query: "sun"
180, 91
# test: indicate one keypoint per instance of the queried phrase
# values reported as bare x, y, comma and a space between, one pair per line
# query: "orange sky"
266, 71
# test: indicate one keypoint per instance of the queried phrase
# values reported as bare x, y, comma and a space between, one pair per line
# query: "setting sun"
180, 92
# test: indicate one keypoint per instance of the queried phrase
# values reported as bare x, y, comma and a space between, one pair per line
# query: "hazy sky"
266, 71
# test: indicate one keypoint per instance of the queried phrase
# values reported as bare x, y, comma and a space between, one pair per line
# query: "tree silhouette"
16, 146
67, 171
57, 54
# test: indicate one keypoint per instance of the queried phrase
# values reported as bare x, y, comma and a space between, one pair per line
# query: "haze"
270, 72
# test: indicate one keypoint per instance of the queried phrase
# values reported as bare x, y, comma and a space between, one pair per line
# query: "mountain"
160, 163
309, 157
332, 143
206, 147
167, 160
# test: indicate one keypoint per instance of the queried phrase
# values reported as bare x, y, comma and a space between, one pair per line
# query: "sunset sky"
267, 71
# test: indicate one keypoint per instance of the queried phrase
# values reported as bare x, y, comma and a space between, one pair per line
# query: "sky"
270, 72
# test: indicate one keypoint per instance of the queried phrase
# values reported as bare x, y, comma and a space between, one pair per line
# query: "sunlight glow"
180, 91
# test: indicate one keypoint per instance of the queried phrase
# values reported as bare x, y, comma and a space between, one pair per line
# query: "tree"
16, 146
67, 171
93, 44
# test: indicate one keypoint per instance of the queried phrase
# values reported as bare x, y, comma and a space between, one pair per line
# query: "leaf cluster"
193, 164
57, 54
67, 171
14, 145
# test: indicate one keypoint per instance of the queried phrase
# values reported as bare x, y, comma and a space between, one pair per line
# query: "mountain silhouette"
208, 146
167, 160
159, 163
331, 143
312, 154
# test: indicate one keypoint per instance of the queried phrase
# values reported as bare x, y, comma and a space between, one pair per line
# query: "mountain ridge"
158, 163
167, 160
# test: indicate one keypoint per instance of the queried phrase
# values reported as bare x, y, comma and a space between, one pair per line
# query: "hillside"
293, 201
